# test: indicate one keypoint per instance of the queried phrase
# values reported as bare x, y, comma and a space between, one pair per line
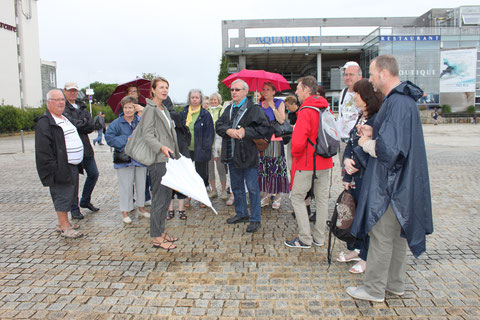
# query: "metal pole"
23, 144
90, 107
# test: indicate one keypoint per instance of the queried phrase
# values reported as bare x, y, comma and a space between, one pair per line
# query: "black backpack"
96, 123
340, 224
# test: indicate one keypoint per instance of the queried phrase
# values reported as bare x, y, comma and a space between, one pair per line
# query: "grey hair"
49, 93
244, 84
216, 95
195, 91
387, 62
128, 99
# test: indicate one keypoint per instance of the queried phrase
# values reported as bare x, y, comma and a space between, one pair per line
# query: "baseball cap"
71, 85
350, 64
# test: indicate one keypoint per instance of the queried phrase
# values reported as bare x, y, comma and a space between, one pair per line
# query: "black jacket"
257, 126
51, 152
183, 133
82, 120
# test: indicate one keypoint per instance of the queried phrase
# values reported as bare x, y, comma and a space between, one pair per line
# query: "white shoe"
362, 294
148, 203
127, 220
145, 214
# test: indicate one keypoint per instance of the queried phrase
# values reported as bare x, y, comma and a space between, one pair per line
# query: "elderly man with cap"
76, 112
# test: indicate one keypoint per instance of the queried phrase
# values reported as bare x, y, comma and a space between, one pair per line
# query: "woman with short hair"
130, 172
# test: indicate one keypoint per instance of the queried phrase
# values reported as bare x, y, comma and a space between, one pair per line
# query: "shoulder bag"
138, 149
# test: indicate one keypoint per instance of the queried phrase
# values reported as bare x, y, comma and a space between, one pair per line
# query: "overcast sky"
113, 41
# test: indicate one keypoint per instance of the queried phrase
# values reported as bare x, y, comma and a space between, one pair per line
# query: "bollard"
23, 143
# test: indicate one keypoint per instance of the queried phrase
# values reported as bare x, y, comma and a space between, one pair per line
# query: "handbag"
120, 157
138, 149
282, 130
261, 143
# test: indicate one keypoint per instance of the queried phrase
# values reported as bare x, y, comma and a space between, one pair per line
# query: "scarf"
190, 114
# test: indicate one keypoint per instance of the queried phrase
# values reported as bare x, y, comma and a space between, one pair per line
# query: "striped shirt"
72, 140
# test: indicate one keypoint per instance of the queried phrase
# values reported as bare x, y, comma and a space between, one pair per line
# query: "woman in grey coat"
159, 134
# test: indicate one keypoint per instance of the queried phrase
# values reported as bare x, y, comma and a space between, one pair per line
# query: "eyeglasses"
57, 100
235, 89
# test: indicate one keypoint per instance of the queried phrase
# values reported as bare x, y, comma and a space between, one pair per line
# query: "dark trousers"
161, 197
90, 167
201, 167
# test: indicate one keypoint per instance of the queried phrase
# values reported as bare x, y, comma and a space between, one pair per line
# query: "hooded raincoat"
399, 175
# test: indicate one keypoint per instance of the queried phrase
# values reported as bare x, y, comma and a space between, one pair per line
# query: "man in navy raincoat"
394, 206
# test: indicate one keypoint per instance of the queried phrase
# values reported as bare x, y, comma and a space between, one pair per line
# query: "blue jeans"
238, 178
98, 139
90, 166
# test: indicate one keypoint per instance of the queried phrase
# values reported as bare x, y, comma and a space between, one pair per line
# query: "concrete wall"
9, 79
10, 92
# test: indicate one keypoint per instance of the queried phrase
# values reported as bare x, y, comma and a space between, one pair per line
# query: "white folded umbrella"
182, 177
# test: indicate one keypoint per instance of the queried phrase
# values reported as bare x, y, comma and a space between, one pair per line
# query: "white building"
20, 76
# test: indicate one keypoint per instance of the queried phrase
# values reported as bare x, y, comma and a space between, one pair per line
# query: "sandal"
203, 205
276, 204
168, 238
230, 201
166, 245
170, 214
182, 215
71, 233
265, 201
359, 267
72, 226
343, 256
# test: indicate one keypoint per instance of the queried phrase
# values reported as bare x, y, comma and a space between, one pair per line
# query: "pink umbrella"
256, 78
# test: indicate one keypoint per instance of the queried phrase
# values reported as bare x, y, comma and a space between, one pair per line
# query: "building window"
53, 82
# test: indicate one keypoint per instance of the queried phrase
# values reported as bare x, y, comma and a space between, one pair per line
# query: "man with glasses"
58, 155
76, 112
241, 122
348, 112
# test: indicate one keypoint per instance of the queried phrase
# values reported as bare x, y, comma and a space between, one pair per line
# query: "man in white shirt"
347, 111
58, 155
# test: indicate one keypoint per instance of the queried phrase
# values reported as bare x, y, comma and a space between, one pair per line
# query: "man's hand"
347, 185
233, 133
241, 133
349, 166
166, 151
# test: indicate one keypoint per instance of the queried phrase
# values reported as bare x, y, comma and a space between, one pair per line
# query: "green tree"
102, 91
149, 76
222, 89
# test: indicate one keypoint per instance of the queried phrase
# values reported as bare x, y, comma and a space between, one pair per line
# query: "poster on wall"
458, 70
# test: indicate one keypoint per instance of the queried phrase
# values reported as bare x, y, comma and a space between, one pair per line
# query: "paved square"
219, 271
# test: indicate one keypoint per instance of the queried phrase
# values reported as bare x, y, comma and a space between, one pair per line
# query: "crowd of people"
382, 153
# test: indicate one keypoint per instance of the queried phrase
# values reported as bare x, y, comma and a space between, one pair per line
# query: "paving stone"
229, 274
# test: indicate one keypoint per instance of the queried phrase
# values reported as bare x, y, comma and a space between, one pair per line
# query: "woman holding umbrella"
273, 174
129, 171
202, 130
159, 134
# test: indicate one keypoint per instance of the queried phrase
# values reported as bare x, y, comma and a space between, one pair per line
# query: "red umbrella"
121, 91
256, 78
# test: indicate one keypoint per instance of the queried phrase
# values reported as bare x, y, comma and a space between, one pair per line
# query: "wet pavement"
218, 271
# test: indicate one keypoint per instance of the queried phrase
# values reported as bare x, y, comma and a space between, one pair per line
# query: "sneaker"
148, 203
398, 293
145, 214
362, 294
317, 243
297, 243
127, 220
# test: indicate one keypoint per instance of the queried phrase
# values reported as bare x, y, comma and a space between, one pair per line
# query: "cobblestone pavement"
219, 271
